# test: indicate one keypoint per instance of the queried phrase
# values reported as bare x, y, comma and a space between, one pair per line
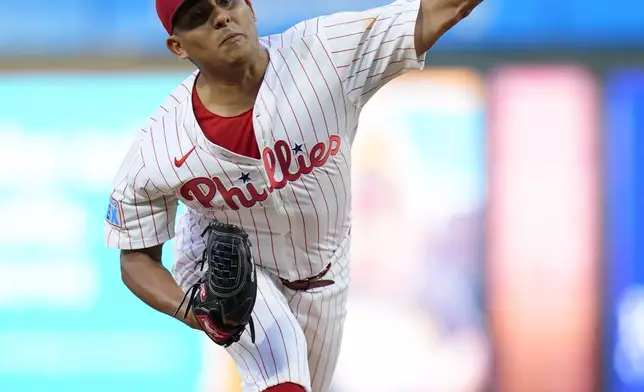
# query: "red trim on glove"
211, 330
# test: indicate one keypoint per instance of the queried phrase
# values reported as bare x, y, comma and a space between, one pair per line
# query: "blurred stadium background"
511, 169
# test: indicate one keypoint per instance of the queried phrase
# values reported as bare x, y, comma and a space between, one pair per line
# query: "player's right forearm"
144, 274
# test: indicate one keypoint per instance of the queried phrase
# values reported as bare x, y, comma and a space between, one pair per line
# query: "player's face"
218, 32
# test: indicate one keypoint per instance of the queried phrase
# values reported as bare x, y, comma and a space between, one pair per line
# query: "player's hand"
191, 321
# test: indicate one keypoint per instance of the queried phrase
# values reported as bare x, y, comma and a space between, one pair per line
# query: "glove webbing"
193, 290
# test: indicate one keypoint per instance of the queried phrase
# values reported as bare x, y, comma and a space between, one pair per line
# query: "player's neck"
232, 90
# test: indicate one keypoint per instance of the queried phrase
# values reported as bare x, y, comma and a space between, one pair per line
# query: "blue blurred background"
514, 163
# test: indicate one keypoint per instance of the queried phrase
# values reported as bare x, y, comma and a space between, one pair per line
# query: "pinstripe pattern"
296, 205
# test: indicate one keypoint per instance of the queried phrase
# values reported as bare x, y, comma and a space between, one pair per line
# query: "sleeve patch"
114, 214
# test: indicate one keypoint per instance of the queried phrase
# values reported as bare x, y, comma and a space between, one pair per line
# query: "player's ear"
174, 46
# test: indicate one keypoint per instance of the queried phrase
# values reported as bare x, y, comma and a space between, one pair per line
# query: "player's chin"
236, 57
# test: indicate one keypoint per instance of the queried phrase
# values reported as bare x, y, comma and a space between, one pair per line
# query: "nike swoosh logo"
180, 162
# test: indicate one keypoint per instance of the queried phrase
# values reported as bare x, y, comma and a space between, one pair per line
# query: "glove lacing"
192, 290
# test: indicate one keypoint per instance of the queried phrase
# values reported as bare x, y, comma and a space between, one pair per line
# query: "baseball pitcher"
256, 143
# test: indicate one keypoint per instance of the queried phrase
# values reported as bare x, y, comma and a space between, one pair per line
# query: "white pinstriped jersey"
295, 201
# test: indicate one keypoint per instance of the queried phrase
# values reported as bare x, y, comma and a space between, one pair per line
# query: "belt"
309, 283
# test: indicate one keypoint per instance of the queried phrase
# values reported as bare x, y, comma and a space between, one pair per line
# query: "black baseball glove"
223, 299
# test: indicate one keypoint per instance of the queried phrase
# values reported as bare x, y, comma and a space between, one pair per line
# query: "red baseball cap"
167, 9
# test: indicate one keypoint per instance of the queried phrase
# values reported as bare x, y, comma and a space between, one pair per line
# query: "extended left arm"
436, 17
